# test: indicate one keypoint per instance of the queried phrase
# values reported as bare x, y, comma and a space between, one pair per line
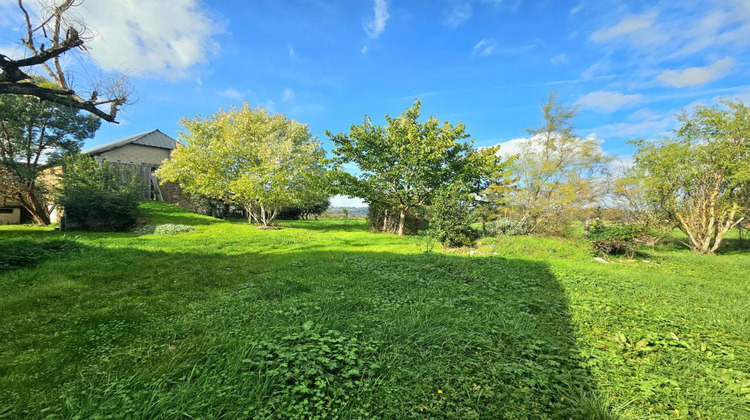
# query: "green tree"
700, 180
260, 161
33, 132
558, 173
403, 164
97, 196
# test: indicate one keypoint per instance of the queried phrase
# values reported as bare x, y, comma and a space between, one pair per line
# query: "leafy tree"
403, 164
260, 161
558, 172
98, 196
52, 29
32, 133
701, 179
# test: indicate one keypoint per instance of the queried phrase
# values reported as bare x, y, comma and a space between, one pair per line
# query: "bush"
619, 239
172, 229
506, 226
452, 217
98, 197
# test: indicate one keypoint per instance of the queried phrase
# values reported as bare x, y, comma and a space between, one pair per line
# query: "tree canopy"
32, 133
260, 161
700, 180
558, 172
403, 164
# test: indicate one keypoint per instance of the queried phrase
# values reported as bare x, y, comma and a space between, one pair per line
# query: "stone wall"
136, 154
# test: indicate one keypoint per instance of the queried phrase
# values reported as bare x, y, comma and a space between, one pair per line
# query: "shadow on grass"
160, 334
25, 253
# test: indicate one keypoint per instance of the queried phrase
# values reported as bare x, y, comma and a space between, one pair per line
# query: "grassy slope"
232, 321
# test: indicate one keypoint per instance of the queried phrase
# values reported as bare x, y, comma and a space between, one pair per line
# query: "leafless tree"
57, 31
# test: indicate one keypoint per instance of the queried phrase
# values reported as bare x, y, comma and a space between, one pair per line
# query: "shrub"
506, 226
452, 217
98, 197
618, 239
172, 229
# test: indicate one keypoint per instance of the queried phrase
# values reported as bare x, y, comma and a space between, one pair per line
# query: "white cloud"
626, 26
231, 93
483, 47
576, 9
559, 59
609, 101
376, 27
457, 14
346, 201
521, 145
364, 50
158, 38
290, 50
287, 95
696, 76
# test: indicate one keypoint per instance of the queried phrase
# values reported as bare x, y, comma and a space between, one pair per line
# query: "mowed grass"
323, 318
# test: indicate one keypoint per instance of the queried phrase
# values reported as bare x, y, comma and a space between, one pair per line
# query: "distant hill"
353, 211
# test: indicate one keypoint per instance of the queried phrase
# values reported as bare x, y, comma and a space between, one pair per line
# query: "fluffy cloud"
519, 145
626, 26
158, 38
376, 27
609, 101
696, 76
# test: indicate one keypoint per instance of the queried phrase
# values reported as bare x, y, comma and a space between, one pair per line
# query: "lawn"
323, 318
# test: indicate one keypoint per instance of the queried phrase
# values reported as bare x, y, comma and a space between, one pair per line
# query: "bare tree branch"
15, 79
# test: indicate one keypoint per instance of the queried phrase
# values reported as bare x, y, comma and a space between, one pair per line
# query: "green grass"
323, 317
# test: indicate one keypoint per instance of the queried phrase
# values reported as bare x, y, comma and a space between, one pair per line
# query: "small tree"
701, 180
404, 163
33, 134
452, 213
260, 161
97, 197
558, 172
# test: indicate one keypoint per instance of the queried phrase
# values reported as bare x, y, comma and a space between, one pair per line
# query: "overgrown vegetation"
232, 321
97, 196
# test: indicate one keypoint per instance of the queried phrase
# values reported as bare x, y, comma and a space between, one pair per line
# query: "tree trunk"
263, 219
385, 221
401, 222
38, 210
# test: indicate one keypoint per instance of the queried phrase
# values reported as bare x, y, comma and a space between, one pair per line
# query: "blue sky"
631, 65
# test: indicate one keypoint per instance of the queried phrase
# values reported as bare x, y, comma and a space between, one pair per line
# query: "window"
6, 210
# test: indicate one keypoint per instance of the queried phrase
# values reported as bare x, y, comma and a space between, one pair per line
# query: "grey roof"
153, 138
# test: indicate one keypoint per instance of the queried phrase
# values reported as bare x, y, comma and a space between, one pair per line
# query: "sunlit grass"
323, 316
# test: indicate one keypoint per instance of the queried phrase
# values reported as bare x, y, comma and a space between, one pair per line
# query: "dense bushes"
452, 217
98, 197
619, 239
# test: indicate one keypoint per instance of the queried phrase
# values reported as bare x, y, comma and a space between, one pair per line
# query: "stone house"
142, 153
